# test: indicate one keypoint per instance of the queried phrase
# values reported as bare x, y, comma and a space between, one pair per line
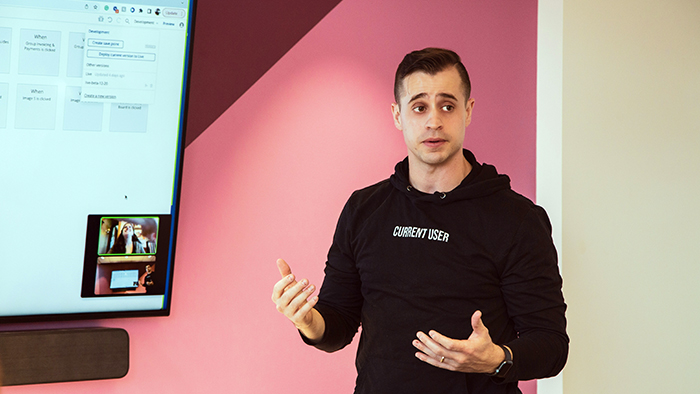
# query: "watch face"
504, 368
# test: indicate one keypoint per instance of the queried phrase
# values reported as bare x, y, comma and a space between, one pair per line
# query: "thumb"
478, 325
283, 267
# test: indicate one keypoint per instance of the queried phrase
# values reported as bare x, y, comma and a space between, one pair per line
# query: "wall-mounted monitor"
92, 113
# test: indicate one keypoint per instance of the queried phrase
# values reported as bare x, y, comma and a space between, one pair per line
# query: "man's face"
433, 114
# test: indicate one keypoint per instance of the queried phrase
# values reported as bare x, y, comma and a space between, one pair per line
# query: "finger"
283, 267
281, 286
427, 354
298, 307
429, 346
427, 359
300, 299
284, 302
305, 309
284, 270
420, 345
445, 364
444, 342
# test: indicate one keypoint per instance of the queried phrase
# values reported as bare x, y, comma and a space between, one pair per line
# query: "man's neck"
438, 178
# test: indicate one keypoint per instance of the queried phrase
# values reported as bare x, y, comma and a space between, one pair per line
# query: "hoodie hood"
483, 180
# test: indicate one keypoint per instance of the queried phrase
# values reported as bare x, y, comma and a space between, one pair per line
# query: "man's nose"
434, 120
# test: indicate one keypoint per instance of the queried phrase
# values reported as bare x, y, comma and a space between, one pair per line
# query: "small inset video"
123, 260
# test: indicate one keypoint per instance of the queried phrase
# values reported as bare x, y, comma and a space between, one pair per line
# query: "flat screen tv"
93, 100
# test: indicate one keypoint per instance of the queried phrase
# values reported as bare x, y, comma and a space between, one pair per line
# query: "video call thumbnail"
122, 256
131, 235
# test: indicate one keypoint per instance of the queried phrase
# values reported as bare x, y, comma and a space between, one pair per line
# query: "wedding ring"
442, 358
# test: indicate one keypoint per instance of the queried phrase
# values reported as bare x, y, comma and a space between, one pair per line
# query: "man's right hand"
292, 300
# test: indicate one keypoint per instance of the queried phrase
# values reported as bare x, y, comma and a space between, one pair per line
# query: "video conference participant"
148, 279
127, 242
452, 275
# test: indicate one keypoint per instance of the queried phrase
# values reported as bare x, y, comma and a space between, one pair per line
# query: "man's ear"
469, 108
396, 112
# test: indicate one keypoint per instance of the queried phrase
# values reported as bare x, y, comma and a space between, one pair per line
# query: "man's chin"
433, 159
436, 158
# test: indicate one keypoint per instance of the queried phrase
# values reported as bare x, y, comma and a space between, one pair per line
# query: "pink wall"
270, 176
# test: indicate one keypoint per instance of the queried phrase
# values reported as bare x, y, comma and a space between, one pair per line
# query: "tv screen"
124, 280
92, 115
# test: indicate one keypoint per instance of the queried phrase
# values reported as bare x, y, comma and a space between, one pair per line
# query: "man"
148, 279
452, 275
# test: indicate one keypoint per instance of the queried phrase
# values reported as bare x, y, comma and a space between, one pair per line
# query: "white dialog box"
76, 50
36, 107
5, 41
119, 65
80, 116
40, 52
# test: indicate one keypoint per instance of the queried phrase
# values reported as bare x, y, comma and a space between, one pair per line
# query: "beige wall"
631, 195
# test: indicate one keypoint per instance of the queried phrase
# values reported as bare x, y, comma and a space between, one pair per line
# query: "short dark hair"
430, 61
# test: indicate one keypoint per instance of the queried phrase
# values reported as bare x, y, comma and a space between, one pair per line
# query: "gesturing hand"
475, 354
292, 300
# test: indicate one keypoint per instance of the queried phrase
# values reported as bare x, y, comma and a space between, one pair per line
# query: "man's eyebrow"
424, 95
447, 95
416, 97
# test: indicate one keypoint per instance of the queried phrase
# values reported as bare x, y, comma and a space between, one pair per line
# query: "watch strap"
505, 366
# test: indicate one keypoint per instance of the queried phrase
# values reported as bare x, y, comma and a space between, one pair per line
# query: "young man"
452, 275
148, 279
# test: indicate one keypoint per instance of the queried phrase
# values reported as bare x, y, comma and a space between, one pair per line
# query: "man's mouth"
432, 142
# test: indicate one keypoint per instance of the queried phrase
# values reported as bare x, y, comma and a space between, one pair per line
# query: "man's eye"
448, 107
418, 108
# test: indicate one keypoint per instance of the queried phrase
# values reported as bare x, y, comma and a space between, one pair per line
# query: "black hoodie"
404, 261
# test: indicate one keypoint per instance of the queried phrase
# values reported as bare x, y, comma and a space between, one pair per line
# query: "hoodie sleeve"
531, 286
340, 297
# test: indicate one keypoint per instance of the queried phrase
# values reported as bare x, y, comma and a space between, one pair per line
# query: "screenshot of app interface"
91, 97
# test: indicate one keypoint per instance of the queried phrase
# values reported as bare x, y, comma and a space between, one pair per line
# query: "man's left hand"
477, 354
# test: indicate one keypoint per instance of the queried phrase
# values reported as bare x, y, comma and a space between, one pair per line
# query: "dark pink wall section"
270, 176
235, 43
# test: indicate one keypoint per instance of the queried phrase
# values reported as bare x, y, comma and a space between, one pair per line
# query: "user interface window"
91, 97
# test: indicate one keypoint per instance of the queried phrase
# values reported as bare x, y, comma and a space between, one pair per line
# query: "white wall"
550, 25
631, 192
